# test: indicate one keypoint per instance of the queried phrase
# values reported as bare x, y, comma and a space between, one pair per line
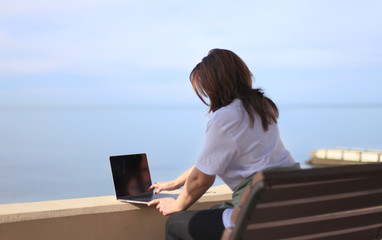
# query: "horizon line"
148, 106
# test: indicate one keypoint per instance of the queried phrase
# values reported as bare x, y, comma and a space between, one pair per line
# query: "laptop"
131, 177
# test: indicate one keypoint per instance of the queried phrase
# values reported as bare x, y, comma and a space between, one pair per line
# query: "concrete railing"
98, 218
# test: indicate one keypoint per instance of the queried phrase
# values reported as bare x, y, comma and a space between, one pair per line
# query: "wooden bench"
339, 203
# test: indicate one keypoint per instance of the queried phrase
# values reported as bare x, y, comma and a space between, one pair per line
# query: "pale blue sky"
92, 52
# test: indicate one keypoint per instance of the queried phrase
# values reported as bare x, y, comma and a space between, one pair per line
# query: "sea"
51, 153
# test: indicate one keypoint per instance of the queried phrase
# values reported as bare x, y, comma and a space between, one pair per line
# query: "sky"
122, 52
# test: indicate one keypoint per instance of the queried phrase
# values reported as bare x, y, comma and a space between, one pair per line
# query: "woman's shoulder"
228, 114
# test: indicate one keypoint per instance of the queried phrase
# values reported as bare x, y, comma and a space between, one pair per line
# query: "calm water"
49, 154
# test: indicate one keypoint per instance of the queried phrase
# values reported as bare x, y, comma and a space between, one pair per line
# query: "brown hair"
223, 76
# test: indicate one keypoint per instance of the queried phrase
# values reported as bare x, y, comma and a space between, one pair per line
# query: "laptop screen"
131, 174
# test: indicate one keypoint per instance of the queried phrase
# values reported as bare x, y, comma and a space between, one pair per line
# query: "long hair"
221, 77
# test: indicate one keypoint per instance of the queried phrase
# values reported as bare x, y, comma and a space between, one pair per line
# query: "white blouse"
234, 150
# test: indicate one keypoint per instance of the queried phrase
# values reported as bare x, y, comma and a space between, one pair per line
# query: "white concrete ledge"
91, 218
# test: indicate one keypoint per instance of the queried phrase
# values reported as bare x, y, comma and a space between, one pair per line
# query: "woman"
242, 138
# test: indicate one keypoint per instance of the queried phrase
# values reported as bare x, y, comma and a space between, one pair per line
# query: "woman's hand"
195, 186
174, 184
160, 186
165, 205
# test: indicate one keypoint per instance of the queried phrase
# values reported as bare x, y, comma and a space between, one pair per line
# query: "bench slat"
319, 174
300, 209
318, 217
321, 189
365, 232
315, 227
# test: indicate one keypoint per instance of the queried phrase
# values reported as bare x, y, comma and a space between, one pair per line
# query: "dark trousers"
200, 224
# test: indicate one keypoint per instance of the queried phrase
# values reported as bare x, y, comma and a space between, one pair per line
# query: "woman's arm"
195, 186
174, 184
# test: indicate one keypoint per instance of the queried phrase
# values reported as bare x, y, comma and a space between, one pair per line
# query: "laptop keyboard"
146, 197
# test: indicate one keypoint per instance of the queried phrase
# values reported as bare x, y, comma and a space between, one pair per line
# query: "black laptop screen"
131, 174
